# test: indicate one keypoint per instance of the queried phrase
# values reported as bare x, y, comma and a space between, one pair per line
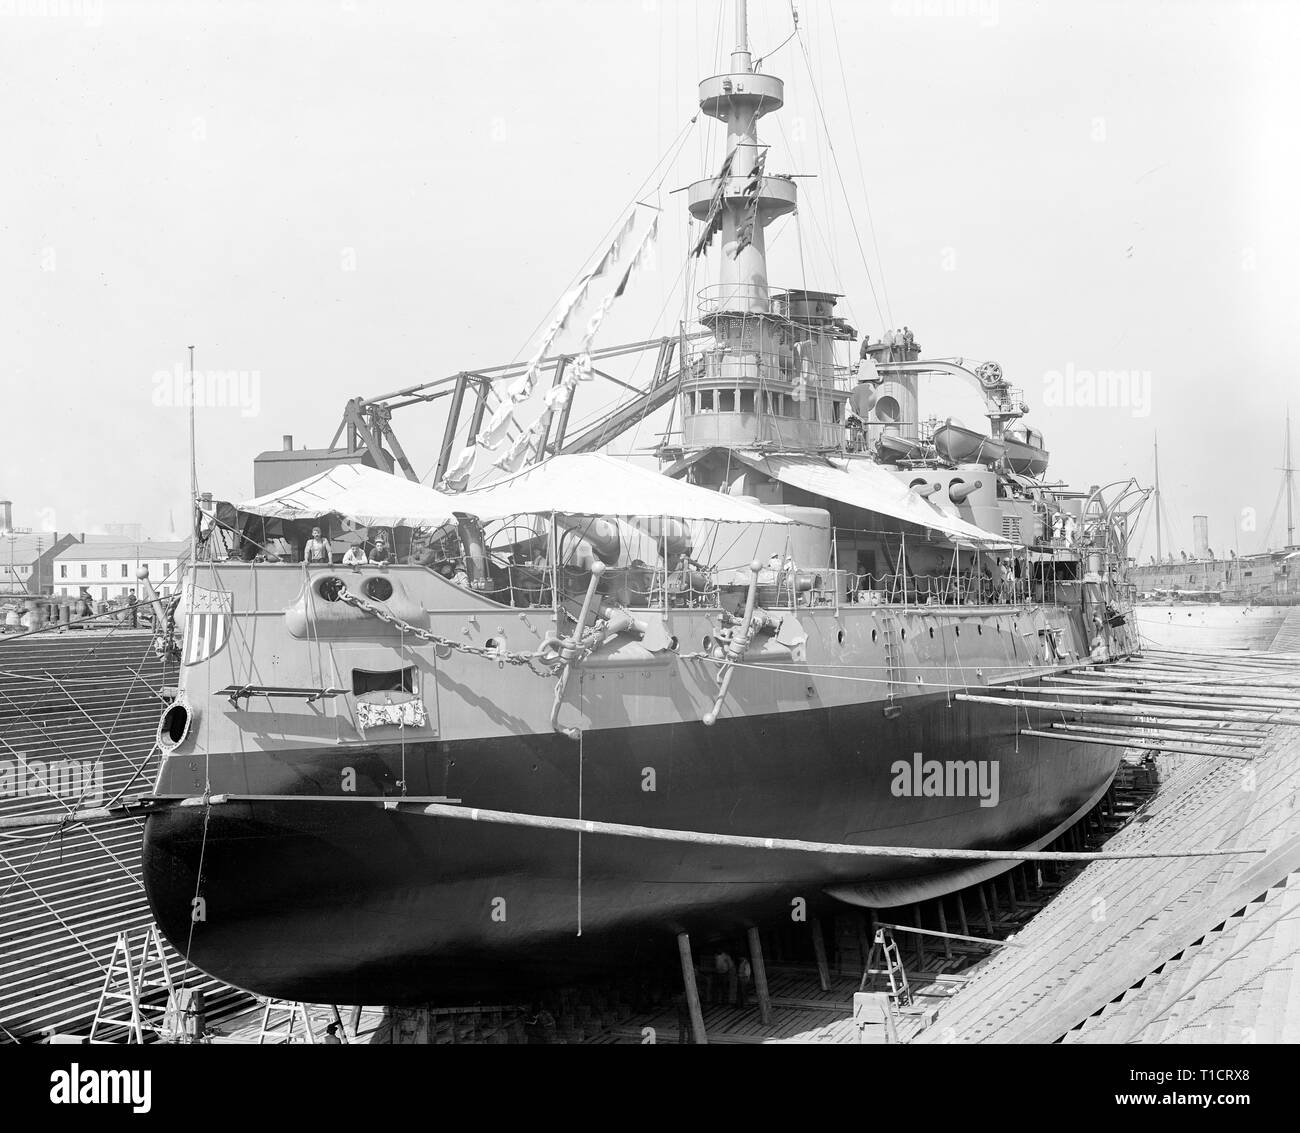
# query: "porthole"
873, 637
932, 632
330, 588
380, 589
840, 637
175, 724
903, 634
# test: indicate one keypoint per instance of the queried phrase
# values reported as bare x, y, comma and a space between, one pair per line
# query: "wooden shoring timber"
1206, 674
1138, 684
1256, 657
1283, 671
1240, 731
1153, 697
1173, 736
1224, 716
952, 935
1269, 672
740, 841
1110, 741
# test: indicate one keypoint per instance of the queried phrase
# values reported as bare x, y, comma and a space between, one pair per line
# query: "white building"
108, 570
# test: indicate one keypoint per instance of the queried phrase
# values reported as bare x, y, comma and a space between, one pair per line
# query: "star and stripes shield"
208, 617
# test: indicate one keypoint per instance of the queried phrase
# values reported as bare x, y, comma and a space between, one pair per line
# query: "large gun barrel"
958, 493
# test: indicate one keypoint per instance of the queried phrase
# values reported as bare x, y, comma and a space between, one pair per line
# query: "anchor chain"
510, 657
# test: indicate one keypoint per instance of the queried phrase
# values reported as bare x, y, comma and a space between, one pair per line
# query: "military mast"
769, 377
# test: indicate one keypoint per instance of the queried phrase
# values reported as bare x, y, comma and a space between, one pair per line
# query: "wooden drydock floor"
1197, 950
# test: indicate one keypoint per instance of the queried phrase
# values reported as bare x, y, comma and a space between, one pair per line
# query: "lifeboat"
959, 445
891, 447
1025, 452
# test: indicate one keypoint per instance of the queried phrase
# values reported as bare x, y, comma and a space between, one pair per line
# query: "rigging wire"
857, 235
857, 149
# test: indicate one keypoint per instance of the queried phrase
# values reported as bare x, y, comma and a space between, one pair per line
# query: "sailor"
745, 980
908, 343
354, 556
888, 340
379, 552
865, 352
131, 615
459, 576
331, 1037
724, 987
317, 549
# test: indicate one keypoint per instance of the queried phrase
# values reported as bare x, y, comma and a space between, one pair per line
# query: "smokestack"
1201, 536
6, 515
288, 442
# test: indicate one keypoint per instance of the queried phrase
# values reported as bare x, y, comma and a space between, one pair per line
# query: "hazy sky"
343, 198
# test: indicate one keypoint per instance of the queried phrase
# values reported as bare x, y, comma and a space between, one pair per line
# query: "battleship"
555, 708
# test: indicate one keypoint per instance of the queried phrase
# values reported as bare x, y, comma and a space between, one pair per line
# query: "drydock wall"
77, 720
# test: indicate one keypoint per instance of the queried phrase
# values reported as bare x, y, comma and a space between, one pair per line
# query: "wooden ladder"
884, 949
284, 1030
128, 982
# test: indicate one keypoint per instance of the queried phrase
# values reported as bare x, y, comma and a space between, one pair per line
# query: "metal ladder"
885, 949
893, 653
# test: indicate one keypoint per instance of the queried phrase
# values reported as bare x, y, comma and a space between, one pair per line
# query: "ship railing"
718, 364
725, 588
965, 588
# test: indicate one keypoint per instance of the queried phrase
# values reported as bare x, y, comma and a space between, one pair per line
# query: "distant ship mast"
1288, 473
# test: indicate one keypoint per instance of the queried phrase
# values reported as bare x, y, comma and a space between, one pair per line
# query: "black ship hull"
351, 902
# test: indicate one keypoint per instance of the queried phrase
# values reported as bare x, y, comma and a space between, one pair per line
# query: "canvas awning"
359, 493
870, 487
596, 484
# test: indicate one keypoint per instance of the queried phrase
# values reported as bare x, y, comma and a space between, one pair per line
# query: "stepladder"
131, 982
284, 1022
885, 963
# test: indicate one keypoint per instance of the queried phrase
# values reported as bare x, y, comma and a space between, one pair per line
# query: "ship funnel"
1201, 536
287, 441
6, 515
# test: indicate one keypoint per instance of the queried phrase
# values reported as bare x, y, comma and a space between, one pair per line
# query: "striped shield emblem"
207, 623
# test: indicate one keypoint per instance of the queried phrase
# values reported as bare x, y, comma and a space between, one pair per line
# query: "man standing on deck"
317, 549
